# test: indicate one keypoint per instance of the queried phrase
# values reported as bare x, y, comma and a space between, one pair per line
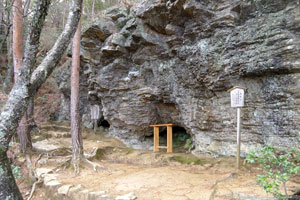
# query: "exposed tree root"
64, 165
33, 188
94, 165
30, 167
76, 165
83, 160
214, 186
38, 158
211, 197
60, 152
38, 179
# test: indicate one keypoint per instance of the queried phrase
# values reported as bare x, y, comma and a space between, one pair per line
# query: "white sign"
95, 112
237, 97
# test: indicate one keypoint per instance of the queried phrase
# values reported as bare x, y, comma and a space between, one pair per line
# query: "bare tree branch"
26, 7
42, 72
6, 36
27, 85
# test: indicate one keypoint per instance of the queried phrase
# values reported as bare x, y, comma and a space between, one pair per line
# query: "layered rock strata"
173, 61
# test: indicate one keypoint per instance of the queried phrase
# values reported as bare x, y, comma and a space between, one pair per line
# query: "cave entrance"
182, 141
104, 123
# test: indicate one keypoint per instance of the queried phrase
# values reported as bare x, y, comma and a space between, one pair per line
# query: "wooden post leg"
169, 139
95, 126
156, 139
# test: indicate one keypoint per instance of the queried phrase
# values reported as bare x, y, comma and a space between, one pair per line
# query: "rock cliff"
63, 79
172, 61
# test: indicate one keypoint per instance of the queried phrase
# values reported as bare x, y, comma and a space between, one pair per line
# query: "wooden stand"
169, 146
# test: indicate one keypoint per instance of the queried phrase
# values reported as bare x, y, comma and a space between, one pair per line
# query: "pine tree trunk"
23, 129
77, 145
30, 114
24, 135
23, 132
17, 36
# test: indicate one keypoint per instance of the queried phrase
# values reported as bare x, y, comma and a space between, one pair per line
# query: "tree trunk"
30, 114
77, 146
8, 187
1, 13
24, 135
28, 83
17, 36
10, 67
8, 78
23, 129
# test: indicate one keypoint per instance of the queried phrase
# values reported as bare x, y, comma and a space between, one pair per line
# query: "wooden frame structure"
169, 146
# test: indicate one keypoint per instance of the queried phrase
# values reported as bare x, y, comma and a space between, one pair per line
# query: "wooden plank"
159, 125
162, 147
169, 139
156, 139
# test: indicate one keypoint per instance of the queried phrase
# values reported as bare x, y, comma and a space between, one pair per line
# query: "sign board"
237, 101
237, 97
95, 111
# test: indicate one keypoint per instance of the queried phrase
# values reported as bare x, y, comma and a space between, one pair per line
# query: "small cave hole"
104, 123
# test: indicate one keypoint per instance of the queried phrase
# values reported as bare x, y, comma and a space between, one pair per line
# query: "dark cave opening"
104, 123
182, 141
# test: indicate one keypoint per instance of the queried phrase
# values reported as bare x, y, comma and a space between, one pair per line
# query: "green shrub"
189, 144
279, 165
16, 170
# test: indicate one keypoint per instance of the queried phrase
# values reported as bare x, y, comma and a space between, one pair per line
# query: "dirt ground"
156, 176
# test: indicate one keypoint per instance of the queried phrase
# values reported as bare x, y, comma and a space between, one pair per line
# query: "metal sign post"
95, 115
237, 101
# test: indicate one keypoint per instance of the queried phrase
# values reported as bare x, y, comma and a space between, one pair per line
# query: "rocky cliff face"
63, 79
172, 61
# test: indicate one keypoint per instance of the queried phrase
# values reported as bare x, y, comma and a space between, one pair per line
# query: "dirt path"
167, 182
154, 176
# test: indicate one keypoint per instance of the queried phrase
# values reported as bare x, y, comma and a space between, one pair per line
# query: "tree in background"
77, 145
28, 83
54, 25
23, 130
5, 23
6, 49
5, 42
17, 36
